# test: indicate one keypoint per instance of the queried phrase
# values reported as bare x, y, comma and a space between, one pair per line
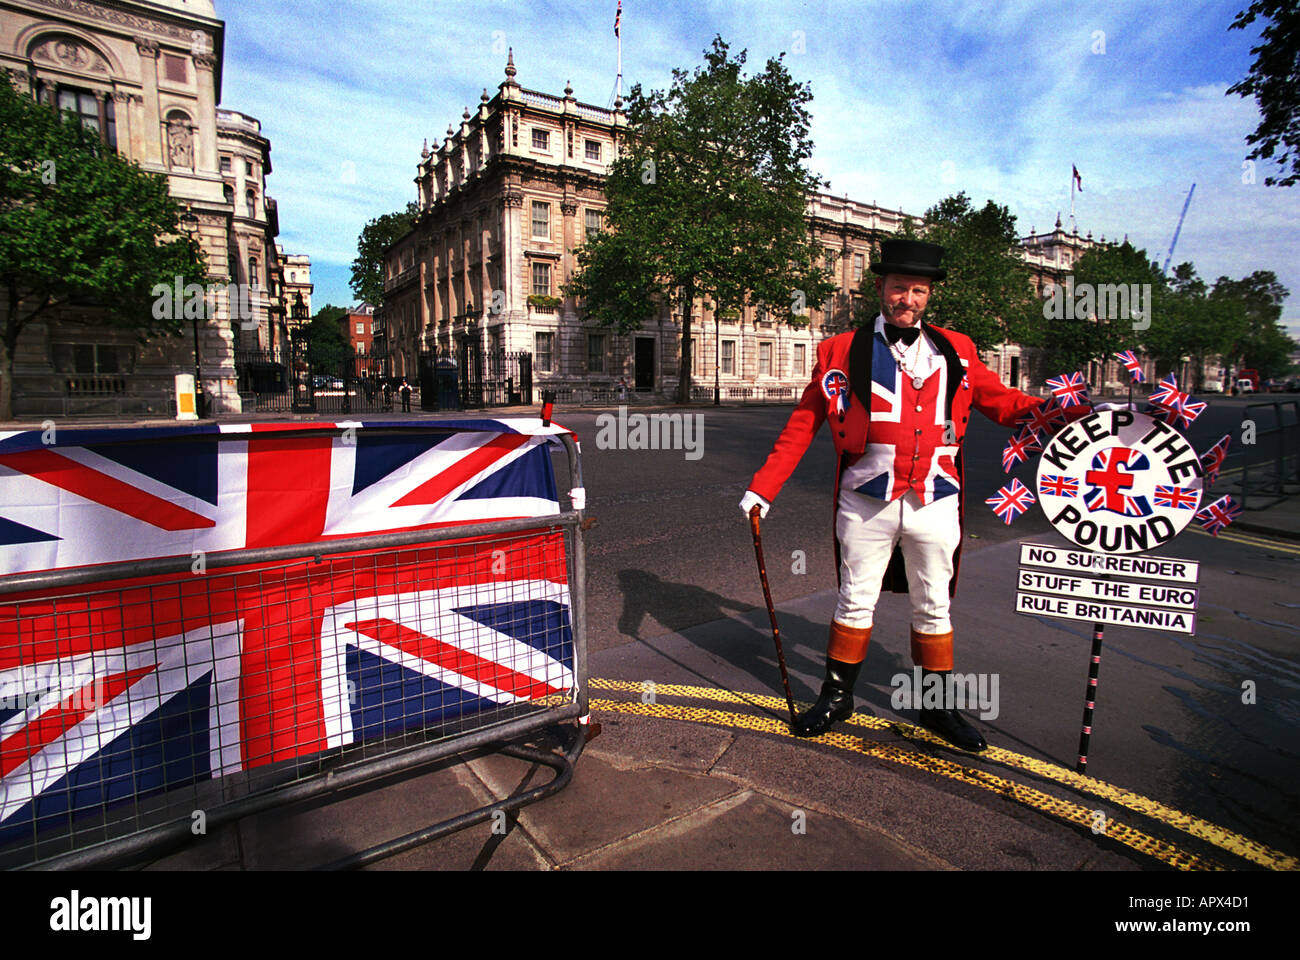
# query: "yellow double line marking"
1168, 853
1251, 540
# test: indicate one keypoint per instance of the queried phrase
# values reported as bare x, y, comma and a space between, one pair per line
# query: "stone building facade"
508, 196
147, 75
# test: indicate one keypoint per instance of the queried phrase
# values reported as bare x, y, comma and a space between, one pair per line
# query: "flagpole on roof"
1074, 226
618, 83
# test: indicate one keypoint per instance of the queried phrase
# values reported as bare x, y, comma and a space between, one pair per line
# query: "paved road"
671, 565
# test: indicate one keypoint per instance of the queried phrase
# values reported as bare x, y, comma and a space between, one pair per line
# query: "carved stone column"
152, 137
206, 148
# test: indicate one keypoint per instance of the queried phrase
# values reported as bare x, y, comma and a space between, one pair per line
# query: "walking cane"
771, 610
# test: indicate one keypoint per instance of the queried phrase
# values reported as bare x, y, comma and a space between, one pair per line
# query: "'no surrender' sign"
1059, 589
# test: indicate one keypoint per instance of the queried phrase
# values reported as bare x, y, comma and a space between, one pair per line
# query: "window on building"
593, 150
729, 356
253, 280
695, 356
542, 279
595, 353
248, 168
250, 201
174, 68
858, 263
225, 164
361, 327
542, 355
85, 107
595, 219
765, 358
800, 356
93, 358
541, 220
229, 193
541, 139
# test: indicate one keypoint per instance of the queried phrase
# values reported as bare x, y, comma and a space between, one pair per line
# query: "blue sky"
912, 102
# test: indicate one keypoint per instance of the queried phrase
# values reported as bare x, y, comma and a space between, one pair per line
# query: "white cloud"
912, 102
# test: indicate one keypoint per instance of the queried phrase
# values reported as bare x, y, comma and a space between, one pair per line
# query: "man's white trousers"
868, 530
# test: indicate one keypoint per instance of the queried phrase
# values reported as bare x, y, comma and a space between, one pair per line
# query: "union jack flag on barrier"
130, 687
1218, 514
1172, 405
1212, 459
1011, 501
1069, 389
1132, 364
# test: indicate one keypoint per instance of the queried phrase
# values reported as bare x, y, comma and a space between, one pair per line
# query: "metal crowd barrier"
1275, 465
138, 826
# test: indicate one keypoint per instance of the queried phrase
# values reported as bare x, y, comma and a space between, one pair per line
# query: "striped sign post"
1082, 585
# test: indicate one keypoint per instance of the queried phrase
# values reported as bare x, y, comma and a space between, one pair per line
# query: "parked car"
1293, 385
1273, 385
1212, 386
1244, 385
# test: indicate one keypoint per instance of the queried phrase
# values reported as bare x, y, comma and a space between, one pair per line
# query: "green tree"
1261, 342
327, 343
1274, 82
988, 294
376, 237
81, 225
707, 198
1084, 314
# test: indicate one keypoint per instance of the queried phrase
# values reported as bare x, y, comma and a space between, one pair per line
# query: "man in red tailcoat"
898, 395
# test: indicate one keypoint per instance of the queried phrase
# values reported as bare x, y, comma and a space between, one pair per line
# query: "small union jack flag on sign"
1044, 420
1176, 408
1069, 389
1019, 448
1212, 459
1132, 364
1218, 514
1011, 501
1179, 497
1059, 486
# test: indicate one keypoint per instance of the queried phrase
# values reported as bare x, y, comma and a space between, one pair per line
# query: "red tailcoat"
970, 384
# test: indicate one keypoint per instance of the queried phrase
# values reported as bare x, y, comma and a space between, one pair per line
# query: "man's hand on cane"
751, 500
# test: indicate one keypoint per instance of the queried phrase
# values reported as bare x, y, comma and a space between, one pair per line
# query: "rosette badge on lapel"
835, 387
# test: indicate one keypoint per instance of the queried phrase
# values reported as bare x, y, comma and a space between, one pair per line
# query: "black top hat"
914, 258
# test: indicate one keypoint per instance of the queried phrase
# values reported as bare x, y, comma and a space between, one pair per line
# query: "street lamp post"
190, 223
303, 400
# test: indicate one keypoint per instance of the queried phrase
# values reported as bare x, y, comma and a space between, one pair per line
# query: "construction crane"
1177, 230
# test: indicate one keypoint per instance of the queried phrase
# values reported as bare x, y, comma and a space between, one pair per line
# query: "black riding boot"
947, 722
835, 702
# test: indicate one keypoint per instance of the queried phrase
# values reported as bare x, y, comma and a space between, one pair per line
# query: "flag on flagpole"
618, 17
1078, 180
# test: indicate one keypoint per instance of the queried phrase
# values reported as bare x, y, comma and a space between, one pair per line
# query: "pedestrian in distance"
406, 396
897, 394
